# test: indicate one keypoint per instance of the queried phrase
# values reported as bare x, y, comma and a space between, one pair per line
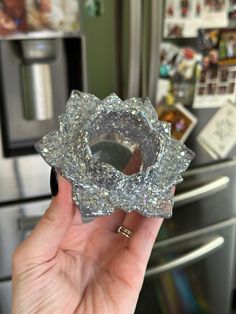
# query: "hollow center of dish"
112, 153
114, 136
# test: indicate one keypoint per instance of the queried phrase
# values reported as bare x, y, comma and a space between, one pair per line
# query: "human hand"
66, 266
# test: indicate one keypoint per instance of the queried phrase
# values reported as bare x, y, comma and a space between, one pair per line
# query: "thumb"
43, 242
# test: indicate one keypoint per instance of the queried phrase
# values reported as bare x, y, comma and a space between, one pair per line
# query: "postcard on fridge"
219, 135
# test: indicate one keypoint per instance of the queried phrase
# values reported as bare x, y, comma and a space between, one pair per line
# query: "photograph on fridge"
227, 47
214, 5
232, 12
182, 120
215, 13
20, 17
53, 15
183, 18
12, 17
217, 72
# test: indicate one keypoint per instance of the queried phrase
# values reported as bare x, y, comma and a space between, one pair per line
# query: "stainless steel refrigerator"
191, 269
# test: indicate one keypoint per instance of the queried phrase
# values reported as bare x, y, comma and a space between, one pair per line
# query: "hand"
66, 266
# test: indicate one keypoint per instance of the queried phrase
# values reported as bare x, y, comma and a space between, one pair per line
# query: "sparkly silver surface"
98, 187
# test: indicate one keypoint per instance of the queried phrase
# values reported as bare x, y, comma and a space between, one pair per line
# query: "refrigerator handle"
214, 186
135, 24
28, 223
187, 258
155, 41
202, 191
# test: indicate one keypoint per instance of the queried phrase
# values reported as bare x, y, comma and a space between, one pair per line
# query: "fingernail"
53, 182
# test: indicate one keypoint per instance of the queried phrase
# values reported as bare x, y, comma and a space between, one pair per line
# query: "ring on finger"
125, 231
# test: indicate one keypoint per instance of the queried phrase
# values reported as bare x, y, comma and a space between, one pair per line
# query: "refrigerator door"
15, 223
151, 39
206, 196
122, 47
99, 33
191, 273
113, 53
5, 297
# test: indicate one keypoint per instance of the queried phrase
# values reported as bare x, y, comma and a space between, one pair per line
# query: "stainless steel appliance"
13, 229
37, 73
202, 229
189, 273
191, 267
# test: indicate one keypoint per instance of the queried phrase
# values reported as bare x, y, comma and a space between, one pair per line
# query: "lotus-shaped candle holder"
98, 187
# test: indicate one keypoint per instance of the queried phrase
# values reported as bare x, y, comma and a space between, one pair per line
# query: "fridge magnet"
179, 65
20, 17
169, 55
52, 15
175, 90
164, 94
219, 135
163, 90
227, 47
182, 120
98, 187
208, 39
174, 59
216, 80
218, 46
94, 8
183, 90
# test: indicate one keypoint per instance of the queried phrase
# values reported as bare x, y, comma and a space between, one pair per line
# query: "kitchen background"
179, 53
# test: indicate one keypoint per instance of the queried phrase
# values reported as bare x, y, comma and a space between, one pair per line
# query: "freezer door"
152, 24
5, 297
122, 48
13, 229
206, 196
113, 48
191, 273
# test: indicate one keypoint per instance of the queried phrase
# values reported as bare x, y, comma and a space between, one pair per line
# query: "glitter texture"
98, 187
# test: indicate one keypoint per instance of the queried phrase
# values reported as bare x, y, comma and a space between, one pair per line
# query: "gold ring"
124, 231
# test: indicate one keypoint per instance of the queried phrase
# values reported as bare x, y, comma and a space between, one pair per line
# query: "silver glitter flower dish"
99, 188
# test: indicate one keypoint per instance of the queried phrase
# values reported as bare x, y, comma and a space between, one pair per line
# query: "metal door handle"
155, 40
200, 192
135, 48
217, 165
188, 258
28, 223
